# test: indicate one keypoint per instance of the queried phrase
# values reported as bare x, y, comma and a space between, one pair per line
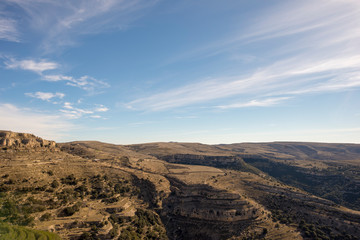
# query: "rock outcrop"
23, 141
226, 161
202, 212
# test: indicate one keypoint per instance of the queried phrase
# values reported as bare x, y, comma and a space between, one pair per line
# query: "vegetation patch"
12, 232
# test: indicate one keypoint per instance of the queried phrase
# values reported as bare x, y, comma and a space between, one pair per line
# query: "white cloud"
331, 135
8, 30
315, 24
55, 78
87, 83
31, 65
48, 126
317, 54
68, 105
186, 117
71, 112
291, 76
256, 103
317, 18
101, 108
46, 96
60, 23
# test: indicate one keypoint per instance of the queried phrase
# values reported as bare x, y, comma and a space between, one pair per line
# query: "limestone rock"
13, 140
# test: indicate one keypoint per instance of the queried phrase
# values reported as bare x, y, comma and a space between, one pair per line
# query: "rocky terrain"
94, 190
23, 141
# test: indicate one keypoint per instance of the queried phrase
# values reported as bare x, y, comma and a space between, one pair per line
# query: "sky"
135, 71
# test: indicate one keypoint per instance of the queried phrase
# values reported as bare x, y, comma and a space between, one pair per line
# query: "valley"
94, 190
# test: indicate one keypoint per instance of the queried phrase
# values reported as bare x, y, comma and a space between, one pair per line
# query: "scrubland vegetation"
92, 190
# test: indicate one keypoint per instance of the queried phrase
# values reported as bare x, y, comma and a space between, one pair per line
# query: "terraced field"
93, 190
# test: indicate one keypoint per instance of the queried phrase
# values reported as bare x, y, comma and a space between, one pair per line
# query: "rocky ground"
93, 190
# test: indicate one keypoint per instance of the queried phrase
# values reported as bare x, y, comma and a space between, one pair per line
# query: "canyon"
95, 190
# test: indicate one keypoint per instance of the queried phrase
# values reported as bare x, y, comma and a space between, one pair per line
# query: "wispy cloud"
46, 96
101, 108
317, 54
256, 103
28, 120
31, 65
60, 23
142, 123
316, 25
186, 117
318, 18
72, 112
334, 135
85, 82
8, 30
285, 77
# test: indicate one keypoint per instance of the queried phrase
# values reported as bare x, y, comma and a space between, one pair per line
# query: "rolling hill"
94, 190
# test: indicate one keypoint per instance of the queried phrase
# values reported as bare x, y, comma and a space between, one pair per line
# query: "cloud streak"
86, 83
256, 103
286, 77
71, 112
60, 24
46, 96
318, 54
41, 66
8, 30
316, 25
31, 65
27, 120
318, 18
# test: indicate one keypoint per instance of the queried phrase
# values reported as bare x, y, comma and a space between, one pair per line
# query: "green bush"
69, 211
69, 180
46, 217
55, 184
10, 232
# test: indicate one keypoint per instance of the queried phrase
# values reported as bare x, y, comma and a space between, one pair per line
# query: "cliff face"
13, 140
202, 212
226, 161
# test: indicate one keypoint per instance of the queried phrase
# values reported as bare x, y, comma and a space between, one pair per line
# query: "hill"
94, 190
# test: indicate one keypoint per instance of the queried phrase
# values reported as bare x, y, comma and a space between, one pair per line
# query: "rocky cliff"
202, 212
225, 161
26, 141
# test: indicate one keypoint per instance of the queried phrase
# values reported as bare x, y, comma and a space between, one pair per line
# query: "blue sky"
133, 71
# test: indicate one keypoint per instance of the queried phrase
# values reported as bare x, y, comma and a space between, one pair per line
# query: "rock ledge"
13, 140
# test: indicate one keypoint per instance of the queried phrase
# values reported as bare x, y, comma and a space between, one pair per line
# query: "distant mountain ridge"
298, 150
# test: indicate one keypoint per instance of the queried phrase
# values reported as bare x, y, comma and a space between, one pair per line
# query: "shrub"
30, 208
69, 180
40, 188
46, 217
110, 200
81, 189
9, 207
88, 236
55, 184
69, 211
10, 181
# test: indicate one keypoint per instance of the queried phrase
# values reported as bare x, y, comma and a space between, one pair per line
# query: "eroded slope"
97, 190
